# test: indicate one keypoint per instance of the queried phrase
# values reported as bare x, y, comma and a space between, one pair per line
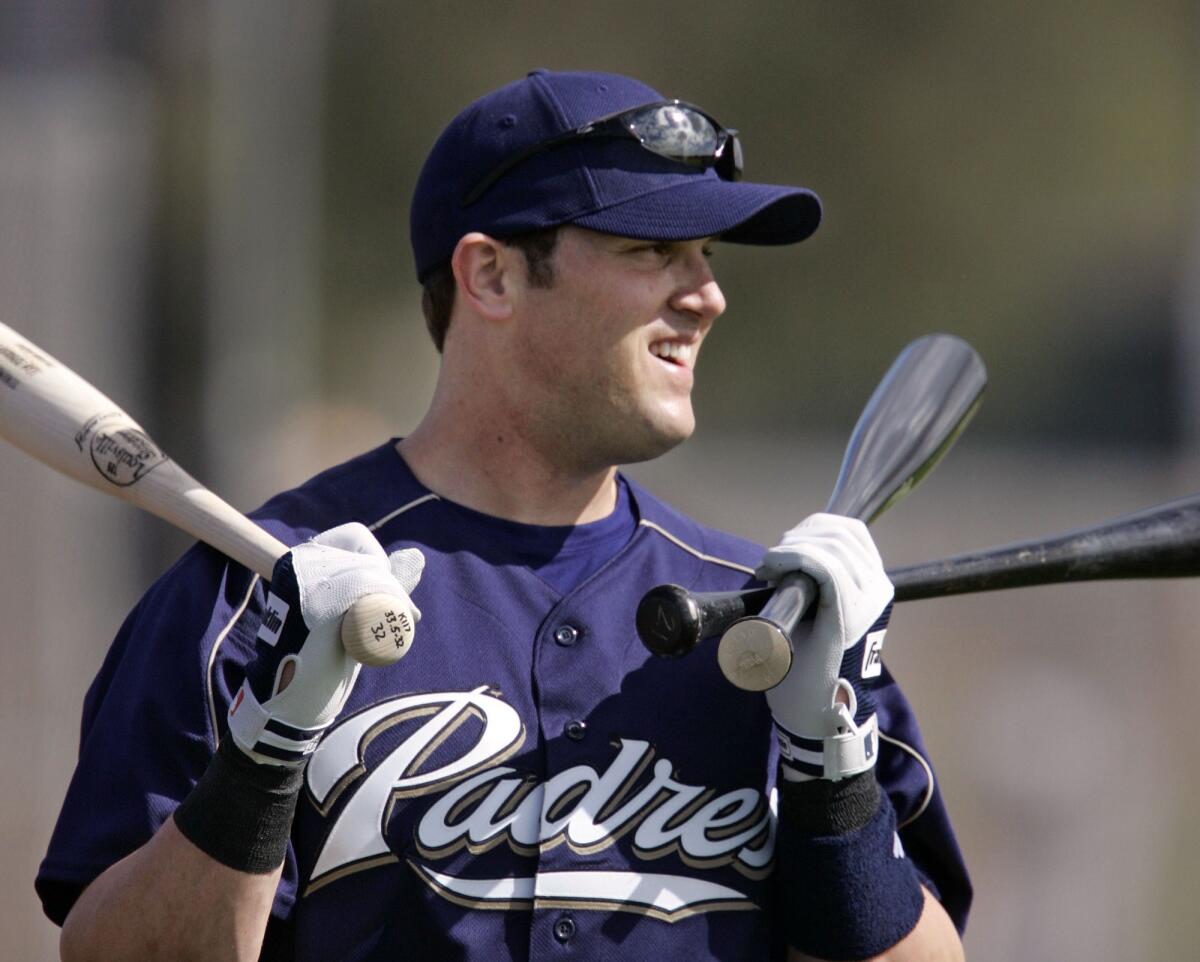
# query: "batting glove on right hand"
823, 709
301, 676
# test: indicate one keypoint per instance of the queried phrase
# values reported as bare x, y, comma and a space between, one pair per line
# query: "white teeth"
668, 349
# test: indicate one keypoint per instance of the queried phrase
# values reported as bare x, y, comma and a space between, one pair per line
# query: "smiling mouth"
673, 352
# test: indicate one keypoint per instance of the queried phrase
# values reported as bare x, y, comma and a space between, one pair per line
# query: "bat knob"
668, 621
754, 654
377, 630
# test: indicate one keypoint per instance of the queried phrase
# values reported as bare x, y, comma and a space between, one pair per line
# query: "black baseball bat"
1158, 542
913, 417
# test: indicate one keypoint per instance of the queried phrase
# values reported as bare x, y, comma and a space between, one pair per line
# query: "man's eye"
662, 250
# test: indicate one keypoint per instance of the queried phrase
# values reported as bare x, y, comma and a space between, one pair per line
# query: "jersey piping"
212, 656
904, 746
693, 551
399, 511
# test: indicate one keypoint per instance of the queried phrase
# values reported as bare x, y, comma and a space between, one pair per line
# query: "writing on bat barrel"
24, 359
121, 453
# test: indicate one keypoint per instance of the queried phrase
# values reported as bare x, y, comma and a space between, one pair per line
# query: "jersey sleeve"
906, 774
151, 721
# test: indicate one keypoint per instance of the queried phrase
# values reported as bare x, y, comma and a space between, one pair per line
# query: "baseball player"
528, 782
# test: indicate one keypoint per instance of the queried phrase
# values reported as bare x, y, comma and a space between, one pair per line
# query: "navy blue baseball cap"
611, 184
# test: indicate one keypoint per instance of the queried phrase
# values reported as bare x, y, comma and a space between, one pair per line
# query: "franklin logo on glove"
273, 619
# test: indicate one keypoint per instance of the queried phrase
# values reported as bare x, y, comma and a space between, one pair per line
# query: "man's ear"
484, 270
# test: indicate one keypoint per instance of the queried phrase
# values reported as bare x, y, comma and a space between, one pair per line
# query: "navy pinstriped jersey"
528, 782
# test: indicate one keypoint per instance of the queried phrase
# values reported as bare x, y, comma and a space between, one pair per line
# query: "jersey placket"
566, 654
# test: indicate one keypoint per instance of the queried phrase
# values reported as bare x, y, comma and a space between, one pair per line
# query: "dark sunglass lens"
734, 150
729, 158
677, 132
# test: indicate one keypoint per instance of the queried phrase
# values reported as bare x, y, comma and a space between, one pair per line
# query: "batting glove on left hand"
301, 676
823, 709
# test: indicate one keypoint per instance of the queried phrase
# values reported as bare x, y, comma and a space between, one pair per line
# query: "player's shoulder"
366, 488
687, 534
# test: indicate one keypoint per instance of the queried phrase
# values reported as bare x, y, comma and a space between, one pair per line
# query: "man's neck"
504, 476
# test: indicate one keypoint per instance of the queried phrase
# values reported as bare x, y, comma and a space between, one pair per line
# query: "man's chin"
657, 441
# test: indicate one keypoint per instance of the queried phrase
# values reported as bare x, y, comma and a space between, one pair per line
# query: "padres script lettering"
485, 803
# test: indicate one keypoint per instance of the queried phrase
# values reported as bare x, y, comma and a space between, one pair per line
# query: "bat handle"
377, 630
756, 652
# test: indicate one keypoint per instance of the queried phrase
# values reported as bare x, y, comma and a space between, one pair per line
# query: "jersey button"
566, 635
564, 929
575, 730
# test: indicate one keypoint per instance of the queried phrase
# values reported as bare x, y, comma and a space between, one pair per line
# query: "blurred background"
203, 209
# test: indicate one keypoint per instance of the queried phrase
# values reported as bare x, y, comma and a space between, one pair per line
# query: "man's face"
608, 350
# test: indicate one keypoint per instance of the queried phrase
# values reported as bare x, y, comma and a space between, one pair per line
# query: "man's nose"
698, 292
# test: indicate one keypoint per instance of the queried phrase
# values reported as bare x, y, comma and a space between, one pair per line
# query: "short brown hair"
437, 294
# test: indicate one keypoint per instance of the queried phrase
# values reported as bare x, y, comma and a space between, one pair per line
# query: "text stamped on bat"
26, 361
394, 626
122, 453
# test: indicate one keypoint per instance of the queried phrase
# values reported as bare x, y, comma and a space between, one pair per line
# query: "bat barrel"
52, 413
1159, 542
49, 411
920, 408
913, 417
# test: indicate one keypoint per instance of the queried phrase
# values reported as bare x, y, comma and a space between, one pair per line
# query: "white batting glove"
823, 710
301, 676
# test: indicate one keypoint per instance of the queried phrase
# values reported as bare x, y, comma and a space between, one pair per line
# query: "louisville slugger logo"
483, 803
122, 452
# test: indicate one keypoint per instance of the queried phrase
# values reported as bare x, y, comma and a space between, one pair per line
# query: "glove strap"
266, 739
853, 750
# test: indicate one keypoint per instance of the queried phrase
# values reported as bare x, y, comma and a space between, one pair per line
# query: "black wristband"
240, 812
822, 807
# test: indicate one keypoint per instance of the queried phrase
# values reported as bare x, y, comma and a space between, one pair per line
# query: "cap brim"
740, 212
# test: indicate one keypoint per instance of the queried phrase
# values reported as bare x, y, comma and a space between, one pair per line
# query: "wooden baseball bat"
913, 417
52, 413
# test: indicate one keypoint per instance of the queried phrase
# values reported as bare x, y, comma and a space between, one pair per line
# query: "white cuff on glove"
834, 757
265, 737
